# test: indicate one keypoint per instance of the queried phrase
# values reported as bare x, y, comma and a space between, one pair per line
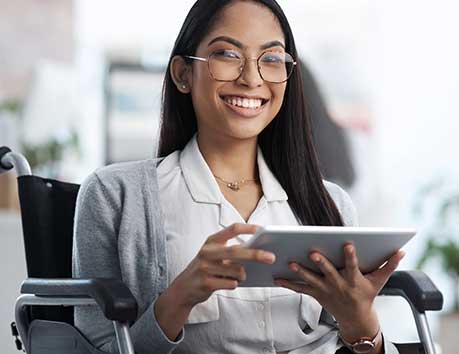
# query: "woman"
238, 152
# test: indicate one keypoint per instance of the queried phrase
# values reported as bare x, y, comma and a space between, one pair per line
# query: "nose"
250, 75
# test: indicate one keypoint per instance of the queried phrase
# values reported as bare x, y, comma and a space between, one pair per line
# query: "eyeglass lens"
226, 65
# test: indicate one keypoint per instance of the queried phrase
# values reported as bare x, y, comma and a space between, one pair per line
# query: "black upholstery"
410, 348
113, 297
47, 209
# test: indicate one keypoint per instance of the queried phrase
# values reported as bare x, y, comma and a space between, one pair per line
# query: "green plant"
437, 205
48, 155
11, 105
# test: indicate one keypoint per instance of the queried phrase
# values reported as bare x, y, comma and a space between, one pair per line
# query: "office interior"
80, 88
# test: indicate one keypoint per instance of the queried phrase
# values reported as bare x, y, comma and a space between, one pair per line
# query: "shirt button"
261, 324
260, 307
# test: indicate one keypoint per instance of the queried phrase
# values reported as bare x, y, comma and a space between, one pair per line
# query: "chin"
245, 131
246, 125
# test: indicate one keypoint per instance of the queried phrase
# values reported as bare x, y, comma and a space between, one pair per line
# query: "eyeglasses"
228, 65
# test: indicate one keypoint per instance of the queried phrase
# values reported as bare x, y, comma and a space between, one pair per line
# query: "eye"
273, 58
225, 54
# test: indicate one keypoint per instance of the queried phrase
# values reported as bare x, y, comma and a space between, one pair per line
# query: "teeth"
252, 103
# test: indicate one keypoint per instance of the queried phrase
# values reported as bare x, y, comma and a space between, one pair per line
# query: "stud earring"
184, 86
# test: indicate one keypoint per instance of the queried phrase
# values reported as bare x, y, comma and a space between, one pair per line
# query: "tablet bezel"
329, 240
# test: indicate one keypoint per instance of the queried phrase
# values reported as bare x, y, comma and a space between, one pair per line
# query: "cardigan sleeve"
95, 254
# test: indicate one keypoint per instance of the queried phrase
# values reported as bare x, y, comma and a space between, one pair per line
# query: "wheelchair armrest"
112, 295
417, 288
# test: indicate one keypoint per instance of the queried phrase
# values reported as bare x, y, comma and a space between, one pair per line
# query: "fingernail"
315, 258
294, 267
270, 257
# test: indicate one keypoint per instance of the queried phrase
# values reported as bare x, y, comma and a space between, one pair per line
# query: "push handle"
11, 159
5, 165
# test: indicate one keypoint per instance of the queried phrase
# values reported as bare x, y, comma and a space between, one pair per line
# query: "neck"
229, 158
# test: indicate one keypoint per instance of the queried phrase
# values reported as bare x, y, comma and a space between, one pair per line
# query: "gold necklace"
235, 186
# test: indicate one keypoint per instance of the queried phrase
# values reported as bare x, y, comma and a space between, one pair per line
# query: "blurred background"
80, 85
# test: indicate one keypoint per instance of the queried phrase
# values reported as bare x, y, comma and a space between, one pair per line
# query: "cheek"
202, 81
204, 86
205, 100
278, 94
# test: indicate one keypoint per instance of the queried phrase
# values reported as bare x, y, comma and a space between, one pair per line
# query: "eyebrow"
238, 44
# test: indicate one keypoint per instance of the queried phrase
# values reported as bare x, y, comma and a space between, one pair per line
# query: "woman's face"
251, 29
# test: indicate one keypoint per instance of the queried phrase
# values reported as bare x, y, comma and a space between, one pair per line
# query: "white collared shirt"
244, 320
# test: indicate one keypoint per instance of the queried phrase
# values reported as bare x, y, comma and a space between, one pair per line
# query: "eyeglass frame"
243, 65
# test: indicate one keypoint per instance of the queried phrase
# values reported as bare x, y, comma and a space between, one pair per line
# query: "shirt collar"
203, 186
272, 189
198, 176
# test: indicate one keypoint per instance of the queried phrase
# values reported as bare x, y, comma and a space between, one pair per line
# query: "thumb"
381, 276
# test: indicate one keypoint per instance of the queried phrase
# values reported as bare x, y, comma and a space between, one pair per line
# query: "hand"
346, 294
215, 267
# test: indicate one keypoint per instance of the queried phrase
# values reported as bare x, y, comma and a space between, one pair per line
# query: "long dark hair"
286, 143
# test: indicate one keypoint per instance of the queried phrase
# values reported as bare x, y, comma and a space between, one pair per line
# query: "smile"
252, 103
244, 106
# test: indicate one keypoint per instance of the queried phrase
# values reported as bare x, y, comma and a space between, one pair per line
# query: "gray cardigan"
119, 234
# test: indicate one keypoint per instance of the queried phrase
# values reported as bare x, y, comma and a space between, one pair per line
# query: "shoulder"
132, 172
343, 202
120, 179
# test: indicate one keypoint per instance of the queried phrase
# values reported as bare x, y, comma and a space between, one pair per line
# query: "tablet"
294, 243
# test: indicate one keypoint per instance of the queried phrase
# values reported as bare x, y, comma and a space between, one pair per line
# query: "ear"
181, 74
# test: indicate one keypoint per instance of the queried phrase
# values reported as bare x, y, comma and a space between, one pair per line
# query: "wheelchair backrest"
47, 210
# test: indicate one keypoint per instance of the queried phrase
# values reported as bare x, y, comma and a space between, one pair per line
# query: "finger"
308, 276
298, 287
327, 269
233, 271
381, 275
236, 253
212, 284
232, 231
351, 262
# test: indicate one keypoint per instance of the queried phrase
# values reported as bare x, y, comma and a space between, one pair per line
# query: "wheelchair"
44, 310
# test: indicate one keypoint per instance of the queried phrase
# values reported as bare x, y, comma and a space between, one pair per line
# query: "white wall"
415, 84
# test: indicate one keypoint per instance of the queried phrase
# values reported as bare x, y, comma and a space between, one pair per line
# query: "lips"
250, 102
246, 106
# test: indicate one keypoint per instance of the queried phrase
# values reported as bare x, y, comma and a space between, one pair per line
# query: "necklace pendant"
233, 186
